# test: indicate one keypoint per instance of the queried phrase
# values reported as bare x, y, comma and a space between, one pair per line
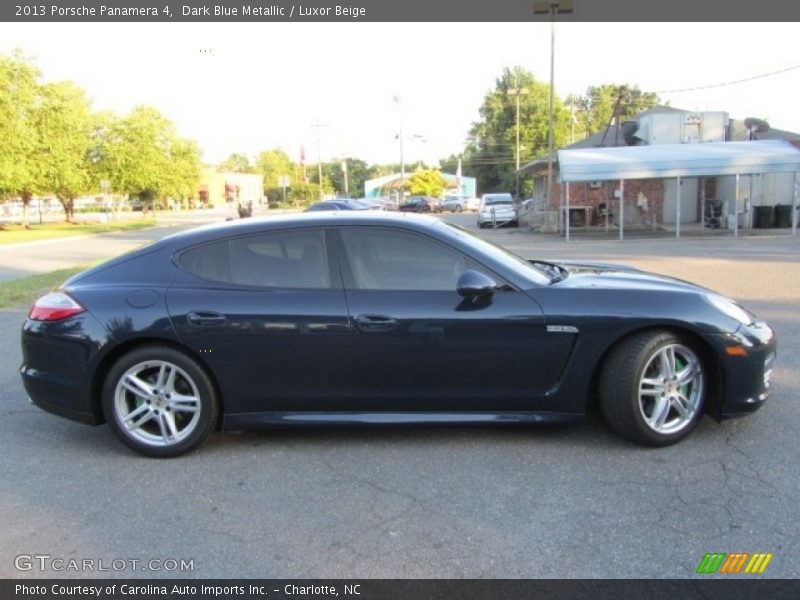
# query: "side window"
381, 259
294, 259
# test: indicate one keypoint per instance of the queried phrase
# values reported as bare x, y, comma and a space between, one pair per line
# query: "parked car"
374, 203
373, 317
421, 204
337, 205
460, 203
497, 209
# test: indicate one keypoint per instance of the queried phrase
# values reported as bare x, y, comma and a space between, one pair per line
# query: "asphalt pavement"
555, 501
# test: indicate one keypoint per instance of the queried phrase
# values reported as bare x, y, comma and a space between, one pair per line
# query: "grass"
14, 234
24, 291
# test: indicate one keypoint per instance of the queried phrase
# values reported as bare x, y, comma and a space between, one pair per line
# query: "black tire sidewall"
624, 369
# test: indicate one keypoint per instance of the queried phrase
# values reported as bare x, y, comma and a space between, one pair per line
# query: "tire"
140, 405
653, 388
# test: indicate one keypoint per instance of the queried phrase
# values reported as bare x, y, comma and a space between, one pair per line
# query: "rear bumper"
57, 362
65, 410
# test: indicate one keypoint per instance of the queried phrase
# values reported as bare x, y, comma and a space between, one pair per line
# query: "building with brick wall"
652, 203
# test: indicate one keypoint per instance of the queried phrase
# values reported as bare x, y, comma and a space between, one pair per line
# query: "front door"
420, 346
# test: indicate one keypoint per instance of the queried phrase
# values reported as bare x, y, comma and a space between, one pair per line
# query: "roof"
677, 160
265, 223
613, 136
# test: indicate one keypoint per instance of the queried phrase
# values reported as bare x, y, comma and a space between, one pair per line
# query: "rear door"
267, 313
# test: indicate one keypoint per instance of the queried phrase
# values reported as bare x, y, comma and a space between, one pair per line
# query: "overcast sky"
242, 87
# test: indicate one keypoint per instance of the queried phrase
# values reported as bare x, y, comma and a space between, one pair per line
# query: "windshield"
507, 259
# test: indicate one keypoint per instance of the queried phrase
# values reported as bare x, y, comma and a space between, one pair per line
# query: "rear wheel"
653, 388
159, 401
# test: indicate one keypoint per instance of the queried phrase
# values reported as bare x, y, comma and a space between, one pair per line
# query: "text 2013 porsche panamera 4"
380, 318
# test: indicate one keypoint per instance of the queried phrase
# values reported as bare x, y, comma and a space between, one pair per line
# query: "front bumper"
746, 371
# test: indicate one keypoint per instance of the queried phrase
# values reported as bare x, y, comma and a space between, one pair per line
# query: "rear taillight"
54, 307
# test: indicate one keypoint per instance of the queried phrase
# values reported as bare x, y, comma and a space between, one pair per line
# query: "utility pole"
551, 7
399, 103
517, 91
319, 125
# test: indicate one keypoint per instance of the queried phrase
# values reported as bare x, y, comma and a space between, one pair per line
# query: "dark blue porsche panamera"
380, 318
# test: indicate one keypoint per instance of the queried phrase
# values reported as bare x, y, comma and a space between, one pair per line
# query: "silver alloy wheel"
157, 403
671, 389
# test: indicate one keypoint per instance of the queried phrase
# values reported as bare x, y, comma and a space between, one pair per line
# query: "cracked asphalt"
515, 502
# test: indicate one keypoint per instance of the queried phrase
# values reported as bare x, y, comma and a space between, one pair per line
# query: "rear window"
293, 259
495, 199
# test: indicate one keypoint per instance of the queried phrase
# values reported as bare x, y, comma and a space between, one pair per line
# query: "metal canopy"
678, 160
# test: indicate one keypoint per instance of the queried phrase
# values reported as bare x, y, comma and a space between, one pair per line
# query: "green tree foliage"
491, 154
427, 182
272, 164
302, 194
450, 164
595, 108
185, 170
357, 173
237, 163
141, 154
63, 122
19, 174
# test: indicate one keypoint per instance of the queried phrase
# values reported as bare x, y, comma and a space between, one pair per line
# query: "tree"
236, 162
19, 173
595, 108
63, 122
357, 174
141, 155
302, 194
185, 169
272, 164
491, 154
426, 182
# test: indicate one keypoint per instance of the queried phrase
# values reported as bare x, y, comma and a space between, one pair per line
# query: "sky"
248, 87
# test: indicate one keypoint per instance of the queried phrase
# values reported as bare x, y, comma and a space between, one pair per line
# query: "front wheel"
159, 401
653, 388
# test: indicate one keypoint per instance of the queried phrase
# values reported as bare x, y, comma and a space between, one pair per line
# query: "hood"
611, 276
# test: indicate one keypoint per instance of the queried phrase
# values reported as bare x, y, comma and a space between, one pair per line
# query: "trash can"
763, 217
783, 216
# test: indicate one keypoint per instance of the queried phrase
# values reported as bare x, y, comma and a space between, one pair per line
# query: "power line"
716, 85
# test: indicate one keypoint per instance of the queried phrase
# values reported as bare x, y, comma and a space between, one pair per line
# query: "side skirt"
270, 420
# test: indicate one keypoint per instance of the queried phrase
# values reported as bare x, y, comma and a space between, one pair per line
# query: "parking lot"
518, 502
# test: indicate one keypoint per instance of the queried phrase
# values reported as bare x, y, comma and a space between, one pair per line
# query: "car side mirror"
475, 285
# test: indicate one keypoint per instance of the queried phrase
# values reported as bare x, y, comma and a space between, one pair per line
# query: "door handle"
373, 323
205, 318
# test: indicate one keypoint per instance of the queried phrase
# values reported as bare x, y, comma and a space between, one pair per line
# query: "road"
561, 502
20, 260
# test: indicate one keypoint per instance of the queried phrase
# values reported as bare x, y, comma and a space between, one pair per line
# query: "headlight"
731, 309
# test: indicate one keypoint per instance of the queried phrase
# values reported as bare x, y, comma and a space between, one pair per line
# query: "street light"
553, 8
517, 92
